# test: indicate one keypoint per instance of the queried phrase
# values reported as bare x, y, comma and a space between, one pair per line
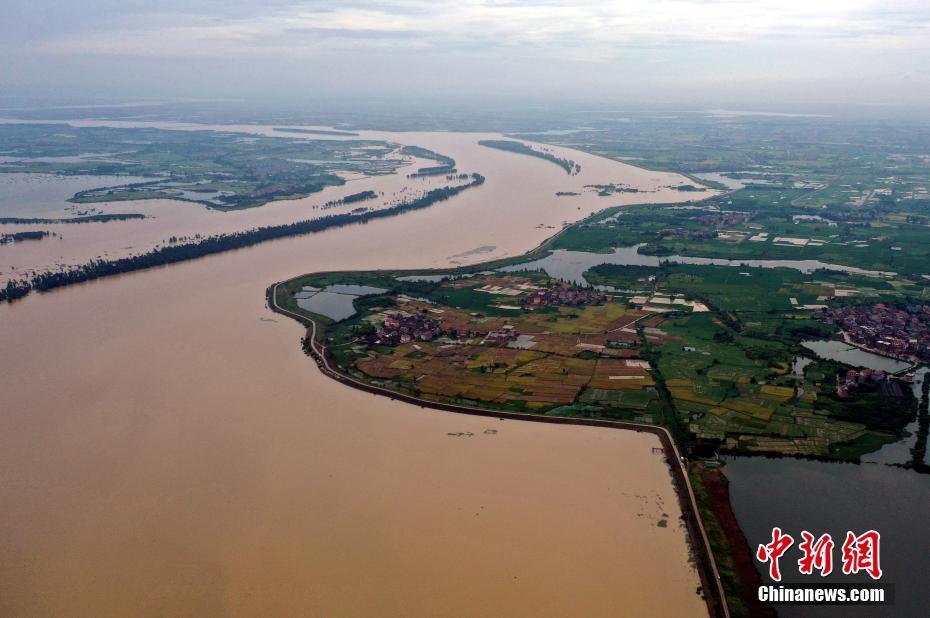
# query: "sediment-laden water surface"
166, 448
522, 188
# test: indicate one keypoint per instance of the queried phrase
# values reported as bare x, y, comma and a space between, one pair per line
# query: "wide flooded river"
167, 449
522, 189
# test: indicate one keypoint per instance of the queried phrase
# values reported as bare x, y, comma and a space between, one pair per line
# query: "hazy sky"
718, 52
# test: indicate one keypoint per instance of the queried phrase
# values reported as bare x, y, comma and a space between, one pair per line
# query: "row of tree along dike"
23, 236
919, 451
446, 164
568, 165
170, 254
101, 218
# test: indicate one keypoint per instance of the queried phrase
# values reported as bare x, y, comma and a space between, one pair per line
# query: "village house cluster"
904, 333
682, 232
847, 383
724, 219
502, 337
557, 295
401, 327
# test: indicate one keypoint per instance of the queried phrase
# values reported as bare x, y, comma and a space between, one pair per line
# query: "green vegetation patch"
221, 170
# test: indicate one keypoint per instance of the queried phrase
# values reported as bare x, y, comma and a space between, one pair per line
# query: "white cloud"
586, 29
651, 49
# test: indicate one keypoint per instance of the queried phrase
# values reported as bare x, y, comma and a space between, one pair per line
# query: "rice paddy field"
720, 377
738, 391
490, 346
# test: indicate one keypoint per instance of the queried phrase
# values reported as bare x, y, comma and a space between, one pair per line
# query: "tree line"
103, 218
568, 165
446, 164
22, 236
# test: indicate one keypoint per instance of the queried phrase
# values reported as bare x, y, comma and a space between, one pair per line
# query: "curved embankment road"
707, 565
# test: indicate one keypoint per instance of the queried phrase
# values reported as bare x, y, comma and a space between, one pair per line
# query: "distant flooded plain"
167, 449
524, 193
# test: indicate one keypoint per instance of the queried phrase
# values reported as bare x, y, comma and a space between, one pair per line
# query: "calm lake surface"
45, 195
842, 352
167, 449
571, 265
732, 184
334, 301
820, 497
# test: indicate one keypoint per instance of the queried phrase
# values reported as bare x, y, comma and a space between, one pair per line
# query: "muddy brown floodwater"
167, 449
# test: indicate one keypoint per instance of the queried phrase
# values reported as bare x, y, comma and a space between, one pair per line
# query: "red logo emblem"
771, 552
